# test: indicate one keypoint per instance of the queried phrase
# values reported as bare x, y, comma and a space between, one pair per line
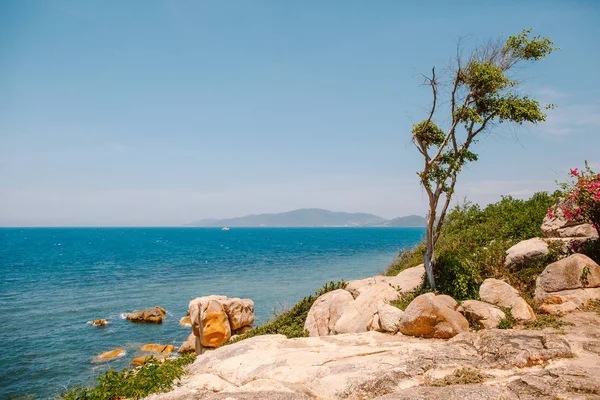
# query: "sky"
158, 113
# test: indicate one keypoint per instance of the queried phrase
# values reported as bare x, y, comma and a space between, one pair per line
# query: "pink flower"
575, 172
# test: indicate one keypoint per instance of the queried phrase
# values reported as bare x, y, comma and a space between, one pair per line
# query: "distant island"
313, 217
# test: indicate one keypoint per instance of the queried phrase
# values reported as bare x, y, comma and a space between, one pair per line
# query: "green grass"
593, 305
546, 321
461, 376
508, 322
153, 376
290, 323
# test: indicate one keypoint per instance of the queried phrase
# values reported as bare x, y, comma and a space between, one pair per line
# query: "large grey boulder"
568, 284
433, 316
526, 252
498, 292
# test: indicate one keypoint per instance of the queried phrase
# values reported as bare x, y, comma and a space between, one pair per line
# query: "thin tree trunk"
429, 253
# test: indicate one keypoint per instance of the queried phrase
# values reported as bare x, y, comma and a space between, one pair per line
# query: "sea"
54, 280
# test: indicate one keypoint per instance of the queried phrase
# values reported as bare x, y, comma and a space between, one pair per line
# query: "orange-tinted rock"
433, 316
98, 322
153, 315
142, 360
186, 322
158, 348
214, 324
109, 355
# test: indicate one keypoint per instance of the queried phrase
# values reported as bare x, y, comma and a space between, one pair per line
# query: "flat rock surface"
516, 364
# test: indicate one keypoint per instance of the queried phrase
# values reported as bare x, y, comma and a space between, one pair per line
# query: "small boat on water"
225, 228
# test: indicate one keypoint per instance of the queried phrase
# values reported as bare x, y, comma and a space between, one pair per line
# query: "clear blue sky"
166, 112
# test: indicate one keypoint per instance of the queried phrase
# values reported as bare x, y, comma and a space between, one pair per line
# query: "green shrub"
153, 376
508, 321
463, 376
290, 323
455, 277
473, 243
590, 248
546, 321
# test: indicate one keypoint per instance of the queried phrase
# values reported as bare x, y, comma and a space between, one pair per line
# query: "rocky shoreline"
362, 347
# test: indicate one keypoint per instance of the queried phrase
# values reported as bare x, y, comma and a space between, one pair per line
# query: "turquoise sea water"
55, 280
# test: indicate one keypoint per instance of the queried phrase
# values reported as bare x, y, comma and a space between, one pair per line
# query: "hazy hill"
406, 222
310, 217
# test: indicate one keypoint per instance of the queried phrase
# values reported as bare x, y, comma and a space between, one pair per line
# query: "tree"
481, 93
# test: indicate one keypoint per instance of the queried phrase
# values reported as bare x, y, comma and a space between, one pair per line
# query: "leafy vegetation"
153, 376
474, 241
291, 323
593, 305
463, 376
546, 321
508, 322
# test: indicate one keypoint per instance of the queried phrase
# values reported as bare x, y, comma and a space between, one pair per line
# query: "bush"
455, 277
474, 241
590, 248
582, 197
153, 376
291, 323
508, 321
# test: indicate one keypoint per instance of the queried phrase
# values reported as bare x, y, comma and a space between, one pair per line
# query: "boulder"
152, 315
143, 359
526, 252
559, 227
434, 317
158, 348
214, 328
110, 355
98, 322
566, 300
189, 346
185, 322
498, 292
388, 317
374, 325
574, 272
568, 284
484, 314
408, 280
358, 314
215, 317
326, 311
360, 286
239, 311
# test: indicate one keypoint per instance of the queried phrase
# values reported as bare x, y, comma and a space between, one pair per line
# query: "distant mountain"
312, 217
410, 221
306, 217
